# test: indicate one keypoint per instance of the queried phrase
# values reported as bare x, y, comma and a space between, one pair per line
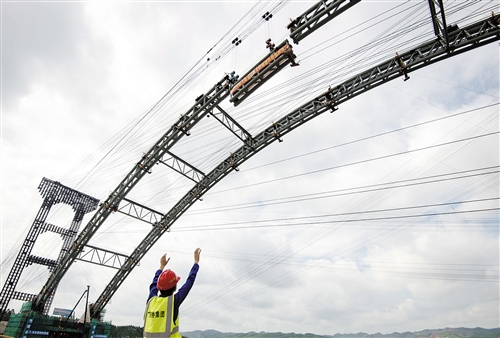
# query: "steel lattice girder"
32, 259
27, 297
59, 193
317, 16
470, 37
473, 36
439, 20
57, 229
140, 212
95, 255
226, 120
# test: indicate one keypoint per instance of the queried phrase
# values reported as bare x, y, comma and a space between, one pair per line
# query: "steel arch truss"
461, 40
470, 37
316, 16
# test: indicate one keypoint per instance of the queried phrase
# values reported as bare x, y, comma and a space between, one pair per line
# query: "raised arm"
197, 255
164, 261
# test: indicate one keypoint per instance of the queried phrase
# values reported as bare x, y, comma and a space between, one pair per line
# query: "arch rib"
139, 211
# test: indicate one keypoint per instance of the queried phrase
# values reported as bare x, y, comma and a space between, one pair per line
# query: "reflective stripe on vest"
159, 318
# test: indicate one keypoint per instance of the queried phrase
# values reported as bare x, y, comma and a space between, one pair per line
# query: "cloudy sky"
379, 217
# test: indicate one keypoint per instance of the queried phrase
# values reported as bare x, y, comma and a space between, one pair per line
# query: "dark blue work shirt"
181, 293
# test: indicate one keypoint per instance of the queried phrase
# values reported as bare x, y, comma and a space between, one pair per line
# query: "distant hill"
438, 333
462, 332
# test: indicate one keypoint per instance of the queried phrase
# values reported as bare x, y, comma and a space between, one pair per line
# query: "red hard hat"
167, 280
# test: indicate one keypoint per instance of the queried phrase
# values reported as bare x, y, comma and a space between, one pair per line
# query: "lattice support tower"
52, 193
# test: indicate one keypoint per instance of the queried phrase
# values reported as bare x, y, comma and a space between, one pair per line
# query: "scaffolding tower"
52, 193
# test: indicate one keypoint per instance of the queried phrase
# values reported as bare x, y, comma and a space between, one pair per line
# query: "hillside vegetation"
136, 331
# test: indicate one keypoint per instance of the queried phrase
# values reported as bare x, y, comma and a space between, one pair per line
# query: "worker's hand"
163, 261
197, 255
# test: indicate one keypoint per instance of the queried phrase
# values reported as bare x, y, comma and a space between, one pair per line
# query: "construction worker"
161, 317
